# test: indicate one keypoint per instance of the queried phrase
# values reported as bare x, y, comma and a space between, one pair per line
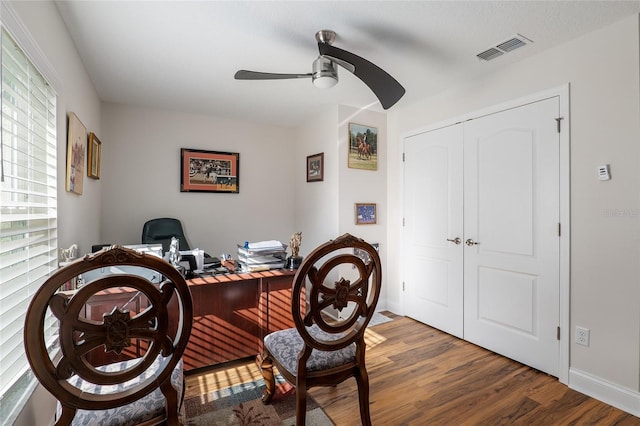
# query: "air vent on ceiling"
506, 46
489, 54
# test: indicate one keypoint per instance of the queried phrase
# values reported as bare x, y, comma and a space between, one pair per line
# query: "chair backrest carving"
336, 278
164, 324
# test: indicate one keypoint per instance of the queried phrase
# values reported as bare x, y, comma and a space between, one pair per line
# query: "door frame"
562, 93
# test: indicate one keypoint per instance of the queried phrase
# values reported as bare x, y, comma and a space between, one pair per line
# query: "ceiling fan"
325, 71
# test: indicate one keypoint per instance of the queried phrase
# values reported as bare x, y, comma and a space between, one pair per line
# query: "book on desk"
262, 256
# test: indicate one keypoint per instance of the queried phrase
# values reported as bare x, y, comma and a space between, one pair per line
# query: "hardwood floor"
419, 375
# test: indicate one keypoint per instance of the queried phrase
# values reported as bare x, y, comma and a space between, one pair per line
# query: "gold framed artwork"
209, 171
363, 147
76, 149
366, 214
95, 156
315, 167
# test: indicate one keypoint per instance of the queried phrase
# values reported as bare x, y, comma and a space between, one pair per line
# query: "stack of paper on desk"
262, 255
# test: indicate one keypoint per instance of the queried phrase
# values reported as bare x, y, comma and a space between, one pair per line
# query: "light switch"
603, 172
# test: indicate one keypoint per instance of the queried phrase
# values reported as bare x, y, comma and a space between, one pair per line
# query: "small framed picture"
315, 167
209, 171
95, 152
366, 214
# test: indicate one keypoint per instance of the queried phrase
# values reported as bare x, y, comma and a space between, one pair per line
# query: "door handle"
470, 242
456, 240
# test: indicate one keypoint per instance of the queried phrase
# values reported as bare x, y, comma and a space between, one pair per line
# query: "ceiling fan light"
324, 81
325, 73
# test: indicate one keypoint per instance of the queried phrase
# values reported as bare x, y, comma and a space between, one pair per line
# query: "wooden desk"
232, 314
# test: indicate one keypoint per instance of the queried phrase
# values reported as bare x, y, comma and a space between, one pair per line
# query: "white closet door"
433, 215
511, 261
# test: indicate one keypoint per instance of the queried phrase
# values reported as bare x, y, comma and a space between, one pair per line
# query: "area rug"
378, 318
241, 405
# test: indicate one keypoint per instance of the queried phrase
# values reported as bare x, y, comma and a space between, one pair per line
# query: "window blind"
28, 202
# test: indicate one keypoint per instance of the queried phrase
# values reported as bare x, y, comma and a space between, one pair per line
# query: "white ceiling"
182, 55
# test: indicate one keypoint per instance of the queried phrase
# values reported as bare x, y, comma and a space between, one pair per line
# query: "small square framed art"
366, 214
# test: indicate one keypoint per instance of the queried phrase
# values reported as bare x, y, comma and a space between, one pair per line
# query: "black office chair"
161, 230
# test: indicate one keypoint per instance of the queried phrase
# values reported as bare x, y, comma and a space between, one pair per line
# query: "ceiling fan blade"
255, 75
385, 87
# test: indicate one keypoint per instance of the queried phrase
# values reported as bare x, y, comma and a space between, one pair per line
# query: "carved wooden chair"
145, 387
323, 350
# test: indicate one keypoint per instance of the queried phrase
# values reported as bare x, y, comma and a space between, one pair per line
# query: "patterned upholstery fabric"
285, 345
140, 411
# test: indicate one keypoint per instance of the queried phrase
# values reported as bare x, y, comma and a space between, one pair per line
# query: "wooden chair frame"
336, 334
78, 335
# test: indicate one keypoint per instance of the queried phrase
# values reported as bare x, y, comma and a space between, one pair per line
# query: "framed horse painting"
209, 171
363, 147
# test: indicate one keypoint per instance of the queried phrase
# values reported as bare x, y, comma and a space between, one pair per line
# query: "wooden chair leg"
266, 368
362, 379
172, 406
67, 416
301, 405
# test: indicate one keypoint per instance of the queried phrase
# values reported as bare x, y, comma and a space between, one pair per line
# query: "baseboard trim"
600, 389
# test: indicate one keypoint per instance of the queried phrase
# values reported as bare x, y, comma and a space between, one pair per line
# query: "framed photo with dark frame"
366, 214
93, 159
209, 171
315, 167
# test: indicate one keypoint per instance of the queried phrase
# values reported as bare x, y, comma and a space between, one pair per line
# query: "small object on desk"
230, 264
174, 253
210, 262
294, 261
296, 240
262, 256
189, 264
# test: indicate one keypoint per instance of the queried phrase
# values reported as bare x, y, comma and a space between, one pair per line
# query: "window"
28, 208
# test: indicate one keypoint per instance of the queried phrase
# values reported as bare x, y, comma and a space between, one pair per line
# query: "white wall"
141, 178
364, 186
325, 210
603, 72
315, 209
39, 30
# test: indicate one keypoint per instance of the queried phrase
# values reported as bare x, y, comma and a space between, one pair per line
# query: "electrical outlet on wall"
582, 336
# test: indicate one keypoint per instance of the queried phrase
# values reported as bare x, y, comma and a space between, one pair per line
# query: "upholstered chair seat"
285, 345
138, 412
